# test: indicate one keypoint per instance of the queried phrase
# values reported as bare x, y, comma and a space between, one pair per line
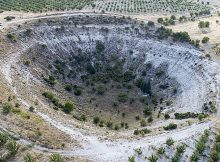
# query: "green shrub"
9, 18
137, 117
150, 23
215, 156
217, 146
122, 97
28, 32
143, 122
161, 151
142, 131
128, 76
68, 87
100, 90
7, 108
181, 36
163, 32
3, 139
96, 120
176, 158
171, 126
101, 124
2, 158
68, 107
12, 147
217, 138
56, 158
90, 69
136, 132
146, 131
166, 116
150, 119
148, 111
200, 147
195, 157
153, 158
169, 141
51, 80
173, 17
100, 47
12, 37
201, 117
204, 24
28, 158
17, 105
138, 151
205, 39
48, 95
116, 127
160, 20
27, 62
144, 86
187, 115
80, 118
53, 99
109, 124
77, 91
131, 159
31, 109
181, 149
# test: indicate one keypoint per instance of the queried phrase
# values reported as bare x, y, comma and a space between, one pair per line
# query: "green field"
42, 5
114, 6
149, 6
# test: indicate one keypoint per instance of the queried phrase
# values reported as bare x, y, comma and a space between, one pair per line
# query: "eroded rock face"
186, 71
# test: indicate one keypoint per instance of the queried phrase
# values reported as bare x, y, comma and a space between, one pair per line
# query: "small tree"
169, 141
181, 149
200, 147
195, 157
153, 158
161, 151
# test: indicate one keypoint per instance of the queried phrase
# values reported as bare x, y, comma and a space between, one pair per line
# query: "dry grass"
192, 28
